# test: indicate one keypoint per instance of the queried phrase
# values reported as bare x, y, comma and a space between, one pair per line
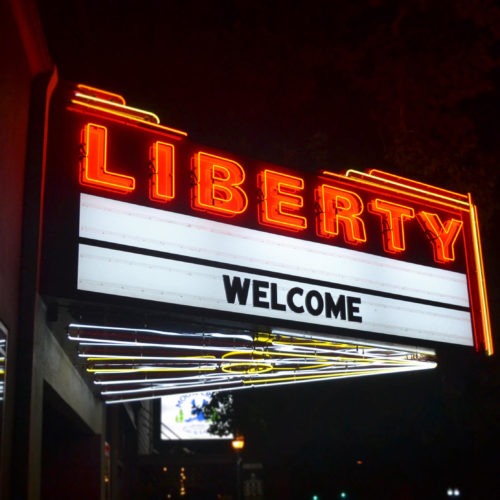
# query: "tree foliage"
219, 411
424, 67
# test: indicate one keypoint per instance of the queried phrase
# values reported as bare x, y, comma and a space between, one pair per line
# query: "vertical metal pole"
238, 477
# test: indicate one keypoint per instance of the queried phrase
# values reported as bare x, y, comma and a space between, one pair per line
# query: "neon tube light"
123, 371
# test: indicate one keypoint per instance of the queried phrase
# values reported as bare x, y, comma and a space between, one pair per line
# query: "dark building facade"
44, 398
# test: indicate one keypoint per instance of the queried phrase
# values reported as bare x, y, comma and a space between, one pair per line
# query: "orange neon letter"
280, 201
392, 217
162, 176
94, 162
339, 207
217, 185
442, 236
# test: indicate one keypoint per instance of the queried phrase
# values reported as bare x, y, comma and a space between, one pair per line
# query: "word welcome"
265, 295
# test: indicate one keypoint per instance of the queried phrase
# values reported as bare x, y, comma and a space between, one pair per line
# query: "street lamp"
238, 443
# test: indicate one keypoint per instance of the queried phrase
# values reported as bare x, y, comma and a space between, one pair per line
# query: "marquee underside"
134, 364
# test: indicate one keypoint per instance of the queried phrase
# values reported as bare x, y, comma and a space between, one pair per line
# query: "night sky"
410, 87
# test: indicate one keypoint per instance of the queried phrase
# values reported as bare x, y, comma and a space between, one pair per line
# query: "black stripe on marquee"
269, 274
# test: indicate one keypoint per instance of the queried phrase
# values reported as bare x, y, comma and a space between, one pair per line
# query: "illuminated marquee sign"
168, 221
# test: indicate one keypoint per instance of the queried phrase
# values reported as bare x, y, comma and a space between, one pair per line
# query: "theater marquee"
163, 220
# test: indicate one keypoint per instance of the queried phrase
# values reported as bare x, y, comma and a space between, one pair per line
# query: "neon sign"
340, 211
281, 200
345, 250
392, 217
162, 176
442, 235
94, 170
176, 363
217, 187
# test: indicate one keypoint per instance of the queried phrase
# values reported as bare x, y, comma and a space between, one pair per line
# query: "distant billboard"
144, 214
183, 418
